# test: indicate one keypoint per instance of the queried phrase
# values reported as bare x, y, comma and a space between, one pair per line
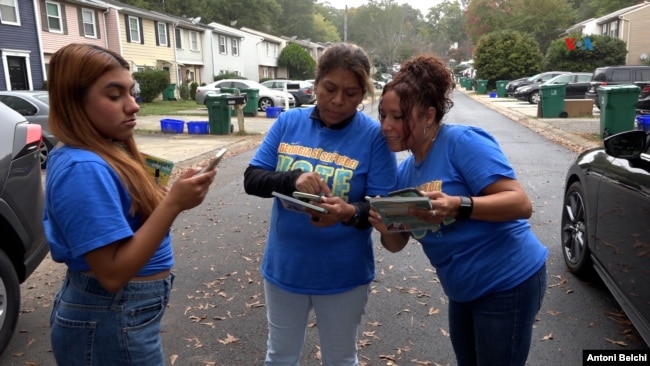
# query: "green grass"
170, 107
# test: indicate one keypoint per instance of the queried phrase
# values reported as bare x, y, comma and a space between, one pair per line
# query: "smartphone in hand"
214, 162
405, 192
306, 197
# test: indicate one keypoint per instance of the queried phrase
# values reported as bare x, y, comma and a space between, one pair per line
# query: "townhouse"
187, 49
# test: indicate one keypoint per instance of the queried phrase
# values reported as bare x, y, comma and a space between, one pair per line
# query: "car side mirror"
626, 145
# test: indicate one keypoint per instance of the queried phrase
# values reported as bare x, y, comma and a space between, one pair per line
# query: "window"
271, 49
9, 12
222, 45
53, 11
88, 20
161, 34
265, 72
133, 29
235, 47
194, 41
177, 34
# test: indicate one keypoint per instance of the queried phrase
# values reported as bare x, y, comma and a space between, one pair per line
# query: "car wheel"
575, 248
9, 300
45, 152
264, 103
533, 98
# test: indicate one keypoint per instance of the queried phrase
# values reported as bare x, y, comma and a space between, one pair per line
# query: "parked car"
537, 78
615, 75
302, 91
576, 86
23, 245
605, 216
267, 97
35, 107
643, 105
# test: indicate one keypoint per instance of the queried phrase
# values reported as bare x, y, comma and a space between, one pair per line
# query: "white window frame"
93, 22
194, 41
6, 6
223, 46
59, 16
235, 46
136, 29
163, 37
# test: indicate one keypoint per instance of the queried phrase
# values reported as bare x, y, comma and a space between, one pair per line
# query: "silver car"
23, 245
35, 107
267, 97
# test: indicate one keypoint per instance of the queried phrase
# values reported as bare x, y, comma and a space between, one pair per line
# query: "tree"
324, 30
606, 51
506, 55
298, 61
444, 28
485, 16
297, 18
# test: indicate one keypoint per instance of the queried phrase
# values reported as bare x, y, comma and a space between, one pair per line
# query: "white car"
267, 97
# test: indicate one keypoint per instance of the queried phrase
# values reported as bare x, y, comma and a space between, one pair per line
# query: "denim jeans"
496, 329
338, 319
91, 326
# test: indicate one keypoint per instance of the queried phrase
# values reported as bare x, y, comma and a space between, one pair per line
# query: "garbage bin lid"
613, 89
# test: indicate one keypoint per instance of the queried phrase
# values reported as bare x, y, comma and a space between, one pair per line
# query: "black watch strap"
466, 207
354, 220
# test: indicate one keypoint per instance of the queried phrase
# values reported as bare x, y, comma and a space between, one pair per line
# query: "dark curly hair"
422, 82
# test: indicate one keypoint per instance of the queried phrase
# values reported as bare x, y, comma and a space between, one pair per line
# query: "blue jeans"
91, 326
338, 317
496, 329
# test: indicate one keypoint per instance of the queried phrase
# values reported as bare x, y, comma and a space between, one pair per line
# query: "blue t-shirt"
354, 161
472, 257
87, 207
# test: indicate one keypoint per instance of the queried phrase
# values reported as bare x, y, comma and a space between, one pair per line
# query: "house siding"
24, 40
636, 33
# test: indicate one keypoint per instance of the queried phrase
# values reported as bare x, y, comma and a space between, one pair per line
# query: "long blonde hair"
73, 70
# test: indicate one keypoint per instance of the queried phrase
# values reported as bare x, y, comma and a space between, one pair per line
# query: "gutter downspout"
40, 42
627, 41
105, 15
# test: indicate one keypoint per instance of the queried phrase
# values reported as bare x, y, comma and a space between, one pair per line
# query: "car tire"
264, 103
575, 236
9, 300
45, 153
533, 98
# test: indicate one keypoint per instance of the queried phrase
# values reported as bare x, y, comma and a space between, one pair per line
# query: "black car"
577, 84
605, 221
616, 75
538, 78
643, 105
22, 237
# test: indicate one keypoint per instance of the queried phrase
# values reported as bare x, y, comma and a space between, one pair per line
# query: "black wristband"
354, 220
465, 208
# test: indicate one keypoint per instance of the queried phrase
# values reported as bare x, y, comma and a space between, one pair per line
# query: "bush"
227, 75
184, 90
152, 82
606, 51
193, 87
506, 55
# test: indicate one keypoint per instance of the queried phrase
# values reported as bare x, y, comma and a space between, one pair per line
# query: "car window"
19, 105
562, 79
621, 75
534, 77
583, 78
599, 75
239, 85
643, 75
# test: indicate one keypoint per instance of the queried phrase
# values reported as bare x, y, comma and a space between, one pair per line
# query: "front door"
17, 73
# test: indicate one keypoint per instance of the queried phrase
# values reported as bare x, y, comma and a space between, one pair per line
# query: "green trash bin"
469, 84
252, 101
461, 81
233, 91
617, 108
501, 88
168, 93
218, 113
481, 86
552, 99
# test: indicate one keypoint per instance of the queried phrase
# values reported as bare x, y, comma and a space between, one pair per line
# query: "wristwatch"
354, 220
465, 208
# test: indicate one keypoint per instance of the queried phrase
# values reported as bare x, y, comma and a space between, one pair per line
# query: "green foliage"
607, 51
227, 76
184, 91
193, 87
152, 82
298, 61
506, 55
